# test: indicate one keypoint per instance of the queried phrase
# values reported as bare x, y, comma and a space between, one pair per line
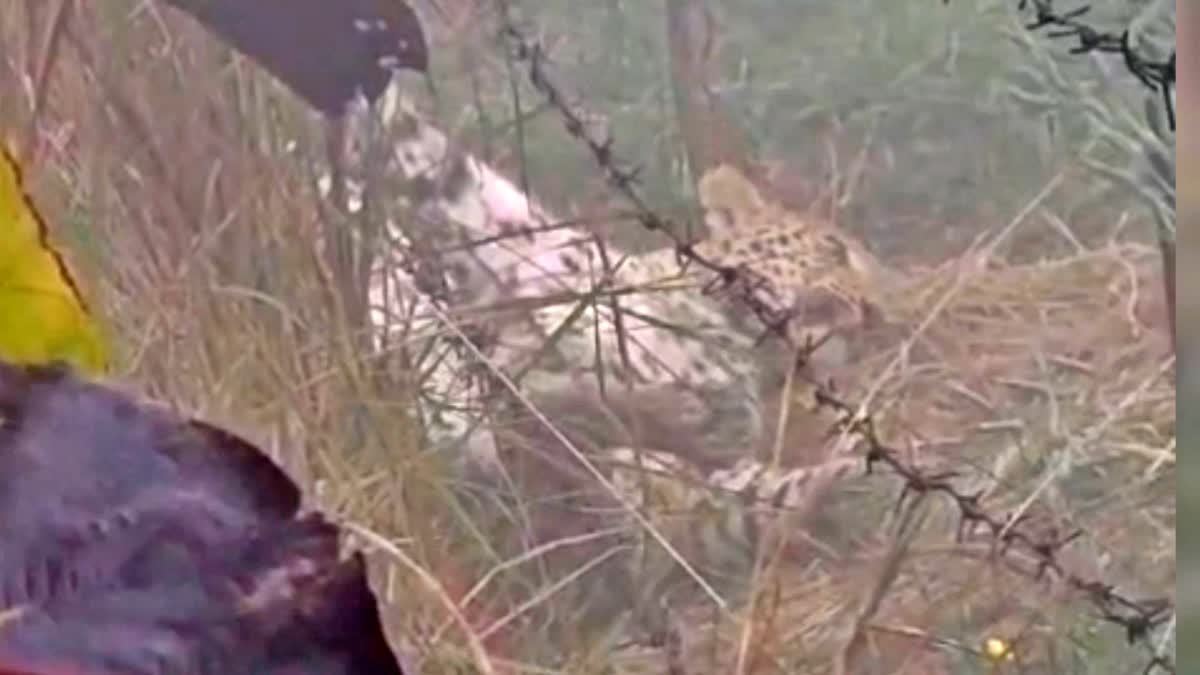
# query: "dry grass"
1049, 386
179, 180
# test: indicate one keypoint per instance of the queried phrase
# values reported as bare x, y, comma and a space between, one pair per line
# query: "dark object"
135, 542
327, 51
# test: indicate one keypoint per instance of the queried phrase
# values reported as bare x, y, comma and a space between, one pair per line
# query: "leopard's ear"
725, 187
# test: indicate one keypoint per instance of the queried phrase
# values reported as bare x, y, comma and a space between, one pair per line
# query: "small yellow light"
997, 649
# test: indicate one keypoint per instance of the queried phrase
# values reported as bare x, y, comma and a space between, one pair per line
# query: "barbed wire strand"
1137, 618
1158, 76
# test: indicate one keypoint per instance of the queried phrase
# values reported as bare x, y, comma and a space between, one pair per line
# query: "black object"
327, 51
136, 542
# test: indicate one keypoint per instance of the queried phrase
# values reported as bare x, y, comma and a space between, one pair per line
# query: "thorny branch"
1138, 618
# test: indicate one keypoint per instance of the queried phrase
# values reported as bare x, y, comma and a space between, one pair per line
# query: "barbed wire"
1156, 75
752, 288
1137, 618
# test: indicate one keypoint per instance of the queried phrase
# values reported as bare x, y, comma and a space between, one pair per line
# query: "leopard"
556, 358
539, 285
826, 278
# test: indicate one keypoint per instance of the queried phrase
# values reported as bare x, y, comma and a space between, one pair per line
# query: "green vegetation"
188, 178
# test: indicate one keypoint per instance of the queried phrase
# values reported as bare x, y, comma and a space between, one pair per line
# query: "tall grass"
182, 183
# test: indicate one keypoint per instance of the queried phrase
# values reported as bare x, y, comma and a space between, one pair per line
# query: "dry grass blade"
186, 182
474, 640
586, 462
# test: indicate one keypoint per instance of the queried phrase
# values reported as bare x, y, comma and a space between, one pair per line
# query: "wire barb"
1158, 76
1139, 619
